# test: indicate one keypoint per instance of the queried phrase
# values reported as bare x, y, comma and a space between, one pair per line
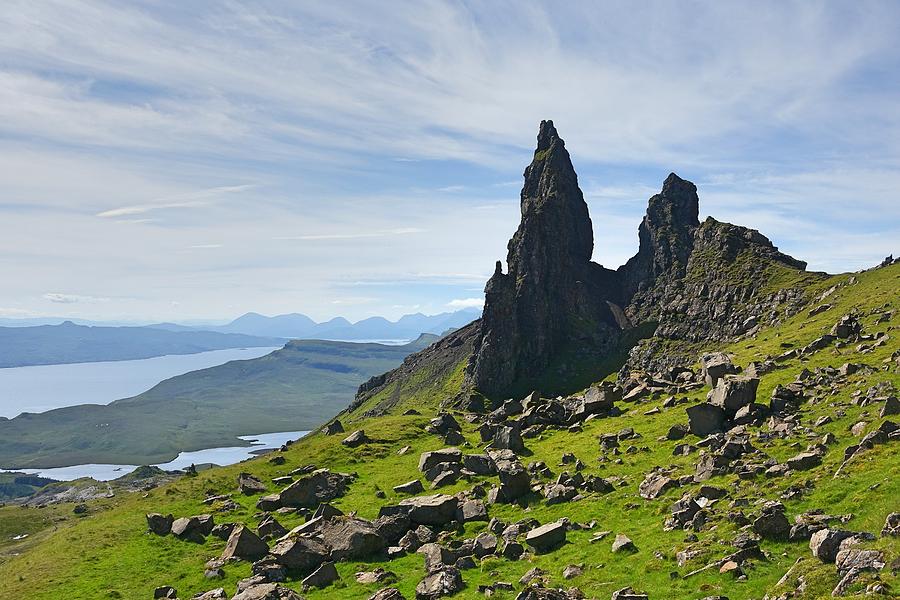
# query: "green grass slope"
292, 389
107, 554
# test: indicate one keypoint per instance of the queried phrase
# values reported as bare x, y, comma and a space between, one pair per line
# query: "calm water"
45, 387
219, 456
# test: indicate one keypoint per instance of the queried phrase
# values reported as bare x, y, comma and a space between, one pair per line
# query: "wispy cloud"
189, 200
466, 303
73, 298
353, 236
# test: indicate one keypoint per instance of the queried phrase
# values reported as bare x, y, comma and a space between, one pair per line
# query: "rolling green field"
292, 389
108, 554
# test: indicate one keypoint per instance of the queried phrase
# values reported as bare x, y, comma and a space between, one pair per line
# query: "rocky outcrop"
552, 294
689, 281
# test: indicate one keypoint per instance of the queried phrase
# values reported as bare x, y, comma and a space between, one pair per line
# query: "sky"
169, 160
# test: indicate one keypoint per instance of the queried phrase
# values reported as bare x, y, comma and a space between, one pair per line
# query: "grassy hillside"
107, 553
292, 389
70, 343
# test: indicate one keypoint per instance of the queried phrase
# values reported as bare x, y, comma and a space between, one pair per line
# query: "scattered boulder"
846, 327
623, 543
508, 438
322, 577
705, 418
547, 536
165, 591
826, 543
357, 438
387, 594
628, 594
734, 392
350, 538
438, 509
655, 484
333, 428
429, 460
243, 543
248, 484
314, 488
444, 582
410, 487
159, 524
804, 461
300, 552
772, 524
715, 366
267, 591
891, 525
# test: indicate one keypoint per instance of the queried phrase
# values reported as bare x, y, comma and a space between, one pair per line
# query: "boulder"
193, 528
357, 438
159, 524
786, 398
445, 582
300, 552
623, 543
547, 536
436, 557
243, 543
772, 524
410, 487
515, 481
351, 538
705, 418
248, 484
846, 327
804, 461
443, 424
472, 510
216, 594
267, 591
891, 525
429, 460
508, 437
715, 366
628, 594
322, 577
826, 543
333, 428
891, 407
734, 392
438, 509
655, 484
480, 464
165, 591
485, 544
314, 488
598, 399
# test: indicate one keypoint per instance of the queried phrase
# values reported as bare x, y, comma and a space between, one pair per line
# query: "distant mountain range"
29, 343
299, 326
71, 343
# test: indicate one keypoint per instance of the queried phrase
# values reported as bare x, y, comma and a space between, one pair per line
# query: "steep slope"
292, 389
107, 552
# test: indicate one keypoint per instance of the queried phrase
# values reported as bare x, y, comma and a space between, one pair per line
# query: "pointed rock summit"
553, 294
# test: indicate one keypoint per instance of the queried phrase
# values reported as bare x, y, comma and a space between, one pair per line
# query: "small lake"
45, 387
218, 456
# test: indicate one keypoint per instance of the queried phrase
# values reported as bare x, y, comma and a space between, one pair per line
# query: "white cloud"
466, 303
353, 236
72, 298
190, 200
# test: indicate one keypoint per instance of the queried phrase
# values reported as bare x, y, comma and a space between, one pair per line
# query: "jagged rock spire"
530, 311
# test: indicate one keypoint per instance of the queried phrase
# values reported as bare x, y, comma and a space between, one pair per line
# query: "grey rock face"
445, 582
733, 393
438, 509
315, 488
551, 285
715, 366
159, 524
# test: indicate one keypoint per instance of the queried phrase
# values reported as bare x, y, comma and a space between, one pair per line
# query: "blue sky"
184, 160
